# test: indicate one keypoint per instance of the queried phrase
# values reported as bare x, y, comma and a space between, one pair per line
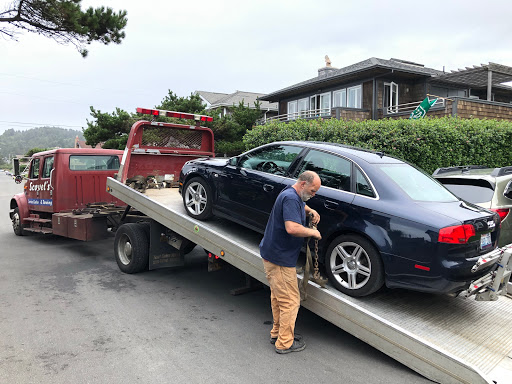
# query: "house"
81, 144
226, 101
377, 88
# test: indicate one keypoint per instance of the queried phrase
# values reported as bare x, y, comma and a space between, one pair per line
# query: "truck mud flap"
166, 248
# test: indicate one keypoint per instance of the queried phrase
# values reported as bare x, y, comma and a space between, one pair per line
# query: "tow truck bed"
447, 340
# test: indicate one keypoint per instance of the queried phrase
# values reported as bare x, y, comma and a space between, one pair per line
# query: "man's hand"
316, 235
316, 216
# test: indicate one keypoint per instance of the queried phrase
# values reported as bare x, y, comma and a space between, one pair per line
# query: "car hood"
217, 162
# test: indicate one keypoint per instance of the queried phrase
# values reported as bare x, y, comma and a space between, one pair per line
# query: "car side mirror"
508, 190
233, 161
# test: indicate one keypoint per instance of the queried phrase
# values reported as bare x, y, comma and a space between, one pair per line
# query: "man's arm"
298, 230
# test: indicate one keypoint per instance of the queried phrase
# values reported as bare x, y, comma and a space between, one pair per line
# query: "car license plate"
485, 240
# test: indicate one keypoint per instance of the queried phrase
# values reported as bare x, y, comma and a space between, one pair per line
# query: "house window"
302, 107
340, 98
354, 96
390, 97
348, 97
292, 110
325, 104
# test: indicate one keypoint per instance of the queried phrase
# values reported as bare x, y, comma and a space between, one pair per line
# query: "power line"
39, 124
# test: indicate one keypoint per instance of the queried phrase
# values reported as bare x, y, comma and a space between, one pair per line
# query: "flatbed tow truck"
445, 339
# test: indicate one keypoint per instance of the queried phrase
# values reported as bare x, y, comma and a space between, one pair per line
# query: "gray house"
226, 101
377, 88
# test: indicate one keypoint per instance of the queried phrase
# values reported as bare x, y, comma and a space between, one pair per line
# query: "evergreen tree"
64, 21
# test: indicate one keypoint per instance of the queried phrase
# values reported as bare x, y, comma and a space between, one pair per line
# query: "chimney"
327, 70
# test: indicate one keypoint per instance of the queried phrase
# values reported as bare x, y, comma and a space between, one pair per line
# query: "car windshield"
416, 184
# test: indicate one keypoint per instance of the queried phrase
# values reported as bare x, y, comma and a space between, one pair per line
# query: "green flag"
422, 109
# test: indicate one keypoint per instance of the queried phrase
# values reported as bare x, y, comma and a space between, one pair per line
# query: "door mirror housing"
233, 161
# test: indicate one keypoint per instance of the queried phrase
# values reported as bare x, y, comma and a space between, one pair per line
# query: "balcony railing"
306, 114
409, 107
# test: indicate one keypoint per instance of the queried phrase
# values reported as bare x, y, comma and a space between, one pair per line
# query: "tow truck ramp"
447, 340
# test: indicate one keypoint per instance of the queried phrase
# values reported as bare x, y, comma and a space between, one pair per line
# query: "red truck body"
61, 181
65, 192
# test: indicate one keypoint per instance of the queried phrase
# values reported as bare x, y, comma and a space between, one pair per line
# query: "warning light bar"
179, 115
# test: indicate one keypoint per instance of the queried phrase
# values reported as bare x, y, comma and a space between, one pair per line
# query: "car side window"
333, 170
275, 159
34, 169
47, 167
363, 187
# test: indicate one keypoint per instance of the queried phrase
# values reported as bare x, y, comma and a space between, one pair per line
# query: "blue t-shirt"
278, 246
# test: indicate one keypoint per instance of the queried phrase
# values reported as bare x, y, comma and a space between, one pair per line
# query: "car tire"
197, 199
354, 266
131, 248
17, 225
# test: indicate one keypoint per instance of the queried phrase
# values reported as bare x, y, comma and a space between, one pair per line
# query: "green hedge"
429, 143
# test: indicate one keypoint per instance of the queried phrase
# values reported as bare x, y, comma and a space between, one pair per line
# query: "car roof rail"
462, 168
502, 171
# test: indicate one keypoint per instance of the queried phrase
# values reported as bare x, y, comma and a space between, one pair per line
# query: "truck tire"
354, 266
131, 248
197, 199
17, 226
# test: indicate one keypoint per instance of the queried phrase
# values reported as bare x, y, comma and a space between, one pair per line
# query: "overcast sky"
225, 46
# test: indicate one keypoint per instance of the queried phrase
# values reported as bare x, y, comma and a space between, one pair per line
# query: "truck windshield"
93, 162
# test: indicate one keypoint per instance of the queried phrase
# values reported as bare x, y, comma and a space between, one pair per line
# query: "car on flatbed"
486, 187
383, 221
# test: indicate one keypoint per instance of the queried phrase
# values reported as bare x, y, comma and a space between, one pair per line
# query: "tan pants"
285, 302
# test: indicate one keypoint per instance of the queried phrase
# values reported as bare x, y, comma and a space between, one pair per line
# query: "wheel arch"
341, 232
19, 201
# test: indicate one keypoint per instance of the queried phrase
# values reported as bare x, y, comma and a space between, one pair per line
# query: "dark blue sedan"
382, 219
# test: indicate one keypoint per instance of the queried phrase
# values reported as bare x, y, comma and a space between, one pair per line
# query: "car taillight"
458, 234
503, 212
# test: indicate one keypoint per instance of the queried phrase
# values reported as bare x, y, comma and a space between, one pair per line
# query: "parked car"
382, 219
487, 187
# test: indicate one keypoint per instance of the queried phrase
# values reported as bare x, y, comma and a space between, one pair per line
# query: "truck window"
34, 169
93, 162
47, 167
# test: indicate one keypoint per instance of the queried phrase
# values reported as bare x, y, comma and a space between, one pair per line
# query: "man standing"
280, 248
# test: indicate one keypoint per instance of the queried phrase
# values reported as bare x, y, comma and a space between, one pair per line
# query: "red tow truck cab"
64, 192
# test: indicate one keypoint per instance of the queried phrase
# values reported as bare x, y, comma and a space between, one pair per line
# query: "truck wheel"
131, 247
16, 223
197, 199
354, 266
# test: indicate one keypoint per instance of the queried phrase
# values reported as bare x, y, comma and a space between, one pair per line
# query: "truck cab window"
34, 169
47, 167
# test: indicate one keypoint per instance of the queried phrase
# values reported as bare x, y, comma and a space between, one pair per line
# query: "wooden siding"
468, 109
351, 114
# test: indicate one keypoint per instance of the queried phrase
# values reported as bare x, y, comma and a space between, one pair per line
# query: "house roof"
364, 69
217, 100
478, 76
211, 97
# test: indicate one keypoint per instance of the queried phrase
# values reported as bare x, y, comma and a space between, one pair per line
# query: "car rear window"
416, 184
474, 191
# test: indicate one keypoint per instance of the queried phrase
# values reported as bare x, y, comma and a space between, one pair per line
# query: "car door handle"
268, 188
330, 204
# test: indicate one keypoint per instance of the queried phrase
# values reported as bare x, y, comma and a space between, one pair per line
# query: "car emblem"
490, 224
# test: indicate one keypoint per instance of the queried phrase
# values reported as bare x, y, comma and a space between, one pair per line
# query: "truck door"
39, 188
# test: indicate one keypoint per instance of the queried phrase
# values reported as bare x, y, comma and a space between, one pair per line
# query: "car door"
333, 199
248, 190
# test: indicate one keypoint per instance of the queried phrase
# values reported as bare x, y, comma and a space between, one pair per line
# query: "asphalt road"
68, 315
